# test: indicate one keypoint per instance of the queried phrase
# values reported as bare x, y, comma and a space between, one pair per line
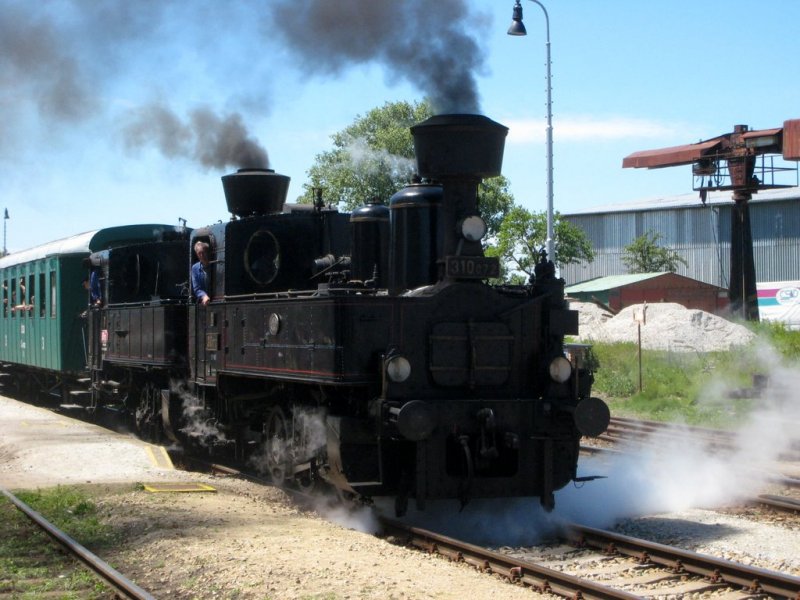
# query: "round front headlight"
473, 228
560, 369
398, 369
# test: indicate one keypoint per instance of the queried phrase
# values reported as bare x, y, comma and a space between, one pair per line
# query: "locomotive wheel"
307, 481
148, 411
277, 445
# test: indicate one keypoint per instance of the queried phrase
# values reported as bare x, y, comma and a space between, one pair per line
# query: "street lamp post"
518, 28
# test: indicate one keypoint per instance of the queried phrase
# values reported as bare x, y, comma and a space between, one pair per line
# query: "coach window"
31, 295
53, 294
42, 303
5, 298
13, 295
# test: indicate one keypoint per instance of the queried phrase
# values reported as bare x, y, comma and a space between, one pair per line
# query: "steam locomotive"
366, 351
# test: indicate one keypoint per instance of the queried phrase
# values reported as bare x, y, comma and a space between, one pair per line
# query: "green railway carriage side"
42, 320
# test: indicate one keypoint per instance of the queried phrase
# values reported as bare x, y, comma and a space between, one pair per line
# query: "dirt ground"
246, 541
242, 541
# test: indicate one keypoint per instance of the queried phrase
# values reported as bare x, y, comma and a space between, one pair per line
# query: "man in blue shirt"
95, 293
92, 284
200, 273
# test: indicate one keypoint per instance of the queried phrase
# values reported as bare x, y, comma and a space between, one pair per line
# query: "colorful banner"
780, 301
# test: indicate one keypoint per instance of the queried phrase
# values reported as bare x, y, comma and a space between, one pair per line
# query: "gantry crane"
742, 161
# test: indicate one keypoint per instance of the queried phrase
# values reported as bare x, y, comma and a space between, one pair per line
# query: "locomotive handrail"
160, 302
298, 294
269, 295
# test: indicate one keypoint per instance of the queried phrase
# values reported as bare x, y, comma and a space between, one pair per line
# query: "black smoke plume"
426, 42
204, 137
38, 70
58, 57
59, 63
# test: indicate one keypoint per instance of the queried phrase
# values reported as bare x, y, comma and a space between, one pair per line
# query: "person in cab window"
92, 284
200, 273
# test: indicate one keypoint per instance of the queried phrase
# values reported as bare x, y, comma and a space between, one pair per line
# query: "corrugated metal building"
700, 233
619, 291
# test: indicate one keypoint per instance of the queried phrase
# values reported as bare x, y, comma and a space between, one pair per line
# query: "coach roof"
90, 241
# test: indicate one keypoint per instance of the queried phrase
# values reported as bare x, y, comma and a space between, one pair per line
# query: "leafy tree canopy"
644, 255
374, 158
523, 233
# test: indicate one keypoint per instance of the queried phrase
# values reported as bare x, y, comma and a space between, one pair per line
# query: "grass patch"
715, 389
73, 512
32, 564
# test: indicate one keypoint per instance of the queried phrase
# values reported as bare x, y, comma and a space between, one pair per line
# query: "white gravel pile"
668, 326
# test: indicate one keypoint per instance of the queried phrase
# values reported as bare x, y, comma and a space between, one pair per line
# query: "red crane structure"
742, 161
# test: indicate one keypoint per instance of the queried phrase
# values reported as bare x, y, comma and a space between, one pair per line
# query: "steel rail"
114, 578
532, 575
754, 579
783, 503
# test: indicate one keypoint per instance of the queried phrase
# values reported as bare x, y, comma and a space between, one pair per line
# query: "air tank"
415, 235
370, 254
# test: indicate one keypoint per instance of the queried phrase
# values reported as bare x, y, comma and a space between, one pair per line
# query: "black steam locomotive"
364, 350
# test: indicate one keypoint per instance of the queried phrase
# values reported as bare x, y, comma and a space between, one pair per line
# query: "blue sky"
627, 75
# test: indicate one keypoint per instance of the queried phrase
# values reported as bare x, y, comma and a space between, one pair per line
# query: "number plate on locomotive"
472, 267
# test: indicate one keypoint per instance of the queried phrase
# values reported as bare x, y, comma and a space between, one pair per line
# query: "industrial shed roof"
601, 284
686, 201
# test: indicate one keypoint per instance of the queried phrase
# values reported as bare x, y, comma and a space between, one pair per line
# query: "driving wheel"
148, 411
278, 445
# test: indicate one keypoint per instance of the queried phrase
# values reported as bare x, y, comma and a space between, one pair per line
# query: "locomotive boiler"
367, 351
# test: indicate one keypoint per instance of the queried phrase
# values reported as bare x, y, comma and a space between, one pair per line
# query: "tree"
523, 233
374, 158
644, 255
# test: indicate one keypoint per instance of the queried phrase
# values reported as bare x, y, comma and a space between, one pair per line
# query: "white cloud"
582, 128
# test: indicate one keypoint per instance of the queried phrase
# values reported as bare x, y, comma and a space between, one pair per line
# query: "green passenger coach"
43, 325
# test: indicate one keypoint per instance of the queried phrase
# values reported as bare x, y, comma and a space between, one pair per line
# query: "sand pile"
668, 326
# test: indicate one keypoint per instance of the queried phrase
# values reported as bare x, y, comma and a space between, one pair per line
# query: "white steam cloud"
308, 437
374, 161
196, 422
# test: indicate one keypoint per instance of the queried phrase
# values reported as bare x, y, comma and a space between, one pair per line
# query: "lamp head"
517, 26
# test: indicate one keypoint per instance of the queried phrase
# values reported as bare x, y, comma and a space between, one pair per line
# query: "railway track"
118, 582
652, 568
646, 567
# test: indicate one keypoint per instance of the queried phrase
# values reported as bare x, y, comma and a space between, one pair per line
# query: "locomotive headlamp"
398, 368
416, 420
560, 369
473, 228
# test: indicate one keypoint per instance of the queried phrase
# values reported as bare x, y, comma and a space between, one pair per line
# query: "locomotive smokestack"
459, 146
459, 150
250, 192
